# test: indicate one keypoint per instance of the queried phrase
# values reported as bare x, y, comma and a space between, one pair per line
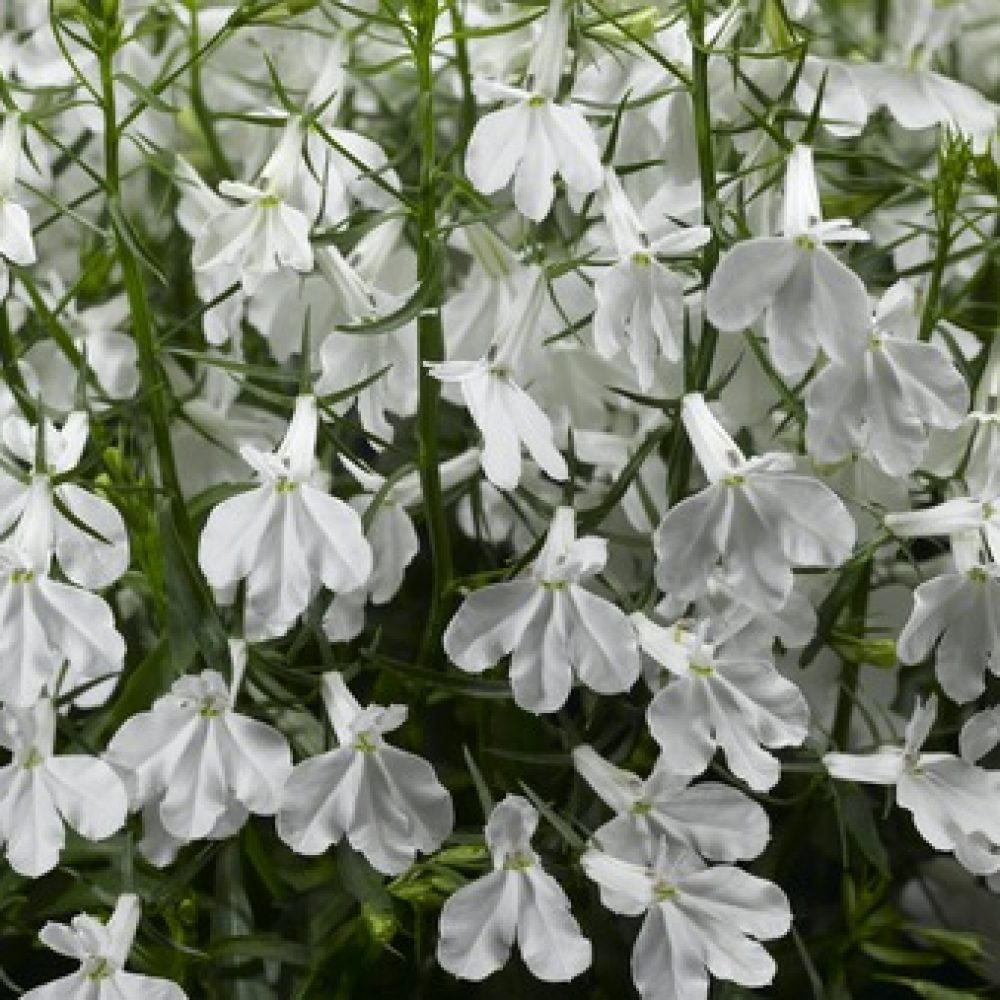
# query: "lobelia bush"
499, 499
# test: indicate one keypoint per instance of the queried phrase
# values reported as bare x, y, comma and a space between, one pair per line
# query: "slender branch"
430, 337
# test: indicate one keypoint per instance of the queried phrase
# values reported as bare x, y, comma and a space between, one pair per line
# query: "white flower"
517, 901
720, 698
95, 332
698, 920
532, 140
265, 233
92, 558
392, 536
557, 631
954, 803
884, 401
757, 519
196, 760
387, 802
916, 96
640, 302
504, 413
808, 298
960, 607
719, 822
102, 950
285, 537
49, 625
41, 792
16, 243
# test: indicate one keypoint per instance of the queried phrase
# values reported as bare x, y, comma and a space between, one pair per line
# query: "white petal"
477, 926
88, 794
881, 768
549, 938
87, 560
603, 644
746, 281
496, 147
313, 812
491, 623
257, 762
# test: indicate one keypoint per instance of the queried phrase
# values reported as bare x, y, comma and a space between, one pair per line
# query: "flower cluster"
397, 397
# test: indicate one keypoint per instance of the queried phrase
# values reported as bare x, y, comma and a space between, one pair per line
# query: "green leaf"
928, 990
856, 809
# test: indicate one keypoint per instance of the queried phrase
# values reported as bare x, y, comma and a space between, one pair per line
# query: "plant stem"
857, 612
699, 369
153, 381
430, 338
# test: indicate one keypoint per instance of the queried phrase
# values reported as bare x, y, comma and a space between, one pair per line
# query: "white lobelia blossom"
960, 607
91, 544
640, 302
756, 519
50, 626
392, 536
16, 243
534, 138
41, 793
808, 298
387, 802
697, 920
556, 630
102, 949
517, 902
503, 412
720, 698
884, 401
915, 95
95, 331
265, 233
716, 820
197, 766
285, 537
954, 803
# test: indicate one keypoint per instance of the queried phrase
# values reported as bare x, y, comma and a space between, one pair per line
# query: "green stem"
857, 613
206, 121
698, 371
153, 381
430, 339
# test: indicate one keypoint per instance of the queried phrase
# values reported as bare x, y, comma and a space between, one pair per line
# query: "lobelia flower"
885, 401
266, 233
720, 698
503, 412
640, 302
556, 630
196, 765
93, 558
387, 802
49, 625
285, 537
962, 607
41, 793
95, 332
534, 138
807, 297
717, 821
916, 96
756, 519
954, 803
697, 920
517, 902
16, 243
392, 536
102, 950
